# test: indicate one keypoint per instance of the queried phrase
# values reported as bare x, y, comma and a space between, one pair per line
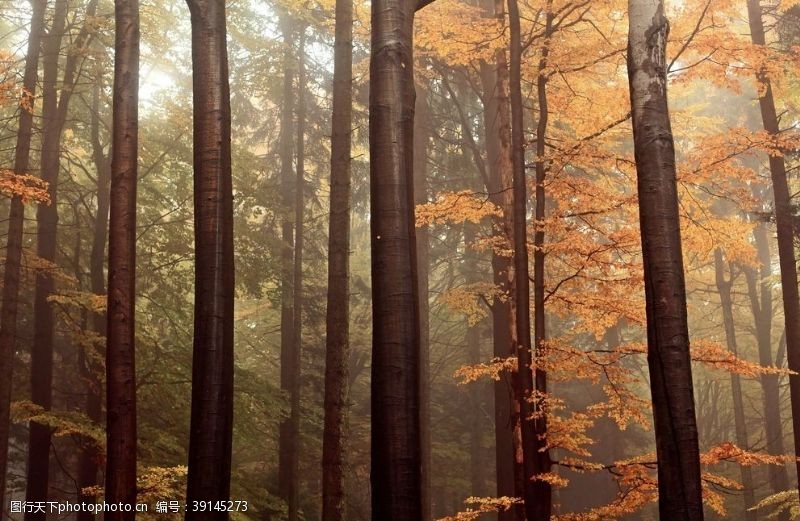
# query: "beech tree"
211, 428
679, 487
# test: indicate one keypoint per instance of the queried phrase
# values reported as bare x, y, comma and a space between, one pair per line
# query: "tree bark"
759, 291
422, 131
679, 485
497, 127
38, 475
90, 457
16, 220
724, 290
537, 493
785, 227
396, 447
212, 367
337, 321
121, 341
287, 442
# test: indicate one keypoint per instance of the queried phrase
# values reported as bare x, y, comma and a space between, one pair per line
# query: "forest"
399, 260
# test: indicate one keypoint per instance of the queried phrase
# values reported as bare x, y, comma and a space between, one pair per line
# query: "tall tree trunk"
497, 126
396, 458
785, 227
679, 487
542, 464
121, 344
537, 494
16, 220
759, 291
90, 457
38, 475
337, 321
724, 290
287, 442
422, 131
211, 429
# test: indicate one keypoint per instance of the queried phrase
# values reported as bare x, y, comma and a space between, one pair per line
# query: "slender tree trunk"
212, 367
759, 290
287, 442
536, 492
677, 449
497, 126
337, 322
38, 475
297, 284
121, 344
724, 290
542, 490
422, 131
16, 220
396, 447
90, 458
784, 220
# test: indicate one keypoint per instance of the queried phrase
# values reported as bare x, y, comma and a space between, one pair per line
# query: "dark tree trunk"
121, 346
677, 449
212, 366
287, 442
16, 220
38, 475
497, 126
90, 457
421, 137
724, 290
396, 447
759, 290
537, 493
785, 228
337, 322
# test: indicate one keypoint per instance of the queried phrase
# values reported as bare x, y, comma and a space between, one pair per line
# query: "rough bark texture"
422, 131
724, 289
537, 494
665, 293
121, 347
337, 321
16, 219
395, 474
38, 475
759, 291
785, 228
287, 436
212, 366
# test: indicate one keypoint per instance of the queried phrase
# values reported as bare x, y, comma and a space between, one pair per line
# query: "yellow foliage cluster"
466, 299
27, 187
483, 505
456, 207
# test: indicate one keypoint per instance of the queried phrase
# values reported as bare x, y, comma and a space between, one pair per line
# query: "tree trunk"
677, 449
785, 228
761, 306
121, 343
212, 367
396, 447
724, 290
16, 220
537, 493
90, 458
422, 129
38, 475
497, 126
287, 442
337, 322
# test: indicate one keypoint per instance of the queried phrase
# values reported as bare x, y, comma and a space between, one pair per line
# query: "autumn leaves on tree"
522, 259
